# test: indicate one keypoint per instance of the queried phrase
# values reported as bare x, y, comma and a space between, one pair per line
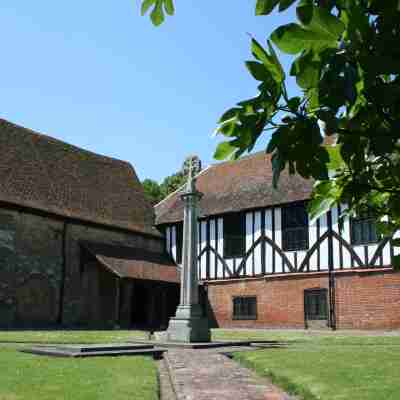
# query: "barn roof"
134, 263
237, 185
46, 174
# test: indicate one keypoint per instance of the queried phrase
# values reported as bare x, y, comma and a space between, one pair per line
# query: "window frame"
285, 245
240, 250
316, 293
372, 224
249, 317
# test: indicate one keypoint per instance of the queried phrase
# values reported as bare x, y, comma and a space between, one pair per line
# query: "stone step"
55, 352
195, 345
89, 348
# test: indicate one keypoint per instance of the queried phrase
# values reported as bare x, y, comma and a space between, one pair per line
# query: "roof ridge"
53, 139
245, 157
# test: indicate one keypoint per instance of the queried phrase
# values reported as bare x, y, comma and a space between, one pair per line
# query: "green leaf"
385, 228
229, 114
294, 103
396, 242
157, 15
306, 70
325, 195
278, 165
336, 161
270, 62
319, 19
225, 150
169, 7
280, 74
258, 70
284, 4
146, 5
322, 31
264, 7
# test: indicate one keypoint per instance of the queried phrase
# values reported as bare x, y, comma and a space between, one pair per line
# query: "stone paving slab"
53, 351
209, 375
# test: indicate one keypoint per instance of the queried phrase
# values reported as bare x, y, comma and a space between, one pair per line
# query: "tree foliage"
156, 192
347, 63
152, 191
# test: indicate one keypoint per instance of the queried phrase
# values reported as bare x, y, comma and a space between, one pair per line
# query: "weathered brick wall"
30, 269
364, 300
74, 290
31, 263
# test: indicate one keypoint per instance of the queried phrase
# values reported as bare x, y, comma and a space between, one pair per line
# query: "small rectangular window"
294, 227
315, 304
179, 242
245, 307
363, 230
234, 235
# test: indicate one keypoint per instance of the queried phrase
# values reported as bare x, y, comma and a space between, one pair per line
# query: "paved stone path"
211, 375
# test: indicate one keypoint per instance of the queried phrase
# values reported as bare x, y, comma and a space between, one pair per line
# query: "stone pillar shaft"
189, 325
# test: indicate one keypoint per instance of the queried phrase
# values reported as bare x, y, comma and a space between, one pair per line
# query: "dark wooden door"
316, 308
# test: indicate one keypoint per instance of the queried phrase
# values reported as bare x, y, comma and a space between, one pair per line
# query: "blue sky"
96, 74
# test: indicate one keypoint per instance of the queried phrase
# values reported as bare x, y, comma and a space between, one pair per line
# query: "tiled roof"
237, 185
46, 174
134, 263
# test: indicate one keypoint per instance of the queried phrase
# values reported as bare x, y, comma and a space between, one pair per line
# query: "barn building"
263, 264
77, 242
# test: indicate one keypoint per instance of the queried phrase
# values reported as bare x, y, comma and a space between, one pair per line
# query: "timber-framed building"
263, 264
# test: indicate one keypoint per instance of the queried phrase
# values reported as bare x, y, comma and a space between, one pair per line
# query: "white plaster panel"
257, 250
249, 243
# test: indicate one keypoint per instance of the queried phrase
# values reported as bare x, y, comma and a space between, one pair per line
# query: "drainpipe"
331, 275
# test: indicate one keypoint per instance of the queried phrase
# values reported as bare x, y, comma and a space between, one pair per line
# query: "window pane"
294, 227
363, 230
245, 308
234, 235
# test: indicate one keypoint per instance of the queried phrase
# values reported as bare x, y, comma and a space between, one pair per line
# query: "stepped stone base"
188, 325
81, 351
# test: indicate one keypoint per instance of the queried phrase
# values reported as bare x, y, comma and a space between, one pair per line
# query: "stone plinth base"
189, 325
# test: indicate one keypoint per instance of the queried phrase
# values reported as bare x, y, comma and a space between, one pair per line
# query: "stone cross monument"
189, 325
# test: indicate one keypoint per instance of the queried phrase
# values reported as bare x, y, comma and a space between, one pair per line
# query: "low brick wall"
364, 299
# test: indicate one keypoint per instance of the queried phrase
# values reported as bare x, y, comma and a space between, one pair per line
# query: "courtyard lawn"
29, 377
329, 366
72, 336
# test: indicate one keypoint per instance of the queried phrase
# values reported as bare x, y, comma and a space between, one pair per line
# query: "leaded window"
234, 235
294, 227
245, 307
363, 230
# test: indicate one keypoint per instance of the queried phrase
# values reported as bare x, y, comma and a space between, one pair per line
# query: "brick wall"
364, 300
74, 290
31, 267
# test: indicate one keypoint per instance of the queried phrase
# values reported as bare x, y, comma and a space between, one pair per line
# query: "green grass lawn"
331, 366
73, 337
29, 377
327, 365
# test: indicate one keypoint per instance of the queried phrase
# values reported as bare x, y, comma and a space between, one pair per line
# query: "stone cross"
189, 325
